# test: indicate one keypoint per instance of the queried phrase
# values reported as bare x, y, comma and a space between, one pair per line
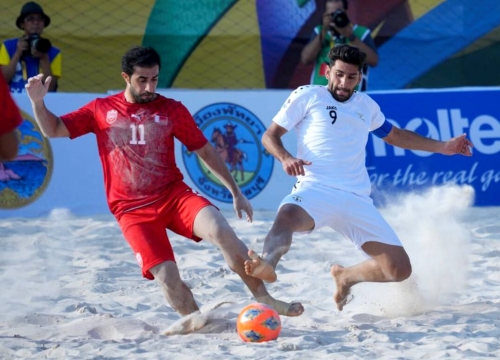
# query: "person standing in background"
336, 29
30, 55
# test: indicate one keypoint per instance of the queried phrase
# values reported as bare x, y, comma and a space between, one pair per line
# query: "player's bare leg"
259, 268
291, 218
178, 295
388, 263
342, 289
180, 298
211, 225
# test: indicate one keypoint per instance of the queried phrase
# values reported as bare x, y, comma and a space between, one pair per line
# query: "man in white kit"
332, 123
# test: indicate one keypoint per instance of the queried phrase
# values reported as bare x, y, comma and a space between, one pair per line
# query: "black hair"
348, 54
142, 56
344, 3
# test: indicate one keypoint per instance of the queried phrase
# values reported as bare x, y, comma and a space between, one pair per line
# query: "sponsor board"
235, 132
24, 179
439, 115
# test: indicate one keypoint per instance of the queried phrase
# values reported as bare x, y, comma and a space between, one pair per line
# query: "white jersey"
332, 135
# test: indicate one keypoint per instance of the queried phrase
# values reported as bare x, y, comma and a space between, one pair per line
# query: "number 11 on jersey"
137, 130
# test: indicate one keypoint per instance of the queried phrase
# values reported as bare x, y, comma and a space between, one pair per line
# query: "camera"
339, 18
35, 42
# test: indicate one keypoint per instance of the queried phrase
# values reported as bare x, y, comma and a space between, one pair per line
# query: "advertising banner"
440, 115
67, 173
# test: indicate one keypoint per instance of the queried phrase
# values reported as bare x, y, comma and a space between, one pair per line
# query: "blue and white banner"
76, 182
440, 115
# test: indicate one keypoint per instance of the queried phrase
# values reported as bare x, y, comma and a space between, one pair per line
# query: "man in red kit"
135, 133
10, 119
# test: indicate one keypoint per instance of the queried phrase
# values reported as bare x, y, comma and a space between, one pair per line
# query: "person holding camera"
31, 54
335, 29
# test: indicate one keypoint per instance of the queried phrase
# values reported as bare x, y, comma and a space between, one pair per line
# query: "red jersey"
10, 116
136, 145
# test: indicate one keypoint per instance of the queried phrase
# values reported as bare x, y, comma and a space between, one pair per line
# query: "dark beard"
141, 100
332, 92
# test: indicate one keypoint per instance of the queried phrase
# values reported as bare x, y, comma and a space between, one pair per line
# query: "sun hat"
31, 8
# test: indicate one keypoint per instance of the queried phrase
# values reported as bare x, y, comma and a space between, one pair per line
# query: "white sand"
70, 289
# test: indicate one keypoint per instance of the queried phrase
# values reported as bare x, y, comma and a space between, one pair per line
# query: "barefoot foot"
281, 307
295, 309
259, 268
187, 324
341, 296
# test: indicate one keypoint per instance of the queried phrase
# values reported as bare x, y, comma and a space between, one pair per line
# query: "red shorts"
144, 228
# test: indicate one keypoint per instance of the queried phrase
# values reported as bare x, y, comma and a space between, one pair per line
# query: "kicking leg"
291, 218
212, 226
178, 295
180, 298
388, 263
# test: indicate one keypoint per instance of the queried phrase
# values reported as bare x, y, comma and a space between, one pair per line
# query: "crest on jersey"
111, 116
235, 133
25, 178
286, 103
360, 115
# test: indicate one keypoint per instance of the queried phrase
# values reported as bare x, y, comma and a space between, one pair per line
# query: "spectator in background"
336, 29
10, 118
30, 55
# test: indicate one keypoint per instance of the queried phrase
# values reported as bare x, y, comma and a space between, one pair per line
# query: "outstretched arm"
212, 159
411, 140
272, 142
50, 124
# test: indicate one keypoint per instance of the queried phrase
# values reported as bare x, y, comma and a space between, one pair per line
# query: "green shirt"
321, 63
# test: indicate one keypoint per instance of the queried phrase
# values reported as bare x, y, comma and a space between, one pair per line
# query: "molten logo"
483, 130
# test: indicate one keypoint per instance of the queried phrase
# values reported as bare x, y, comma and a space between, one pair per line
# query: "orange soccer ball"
258, 323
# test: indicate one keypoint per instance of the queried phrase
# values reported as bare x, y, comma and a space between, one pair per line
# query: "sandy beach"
71, 289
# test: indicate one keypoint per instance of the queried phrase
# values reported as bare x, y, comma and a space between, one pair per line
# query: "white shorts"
353, 216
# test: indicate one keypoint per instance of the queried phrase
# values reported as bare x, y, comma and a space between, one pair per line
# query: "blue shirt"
28, 66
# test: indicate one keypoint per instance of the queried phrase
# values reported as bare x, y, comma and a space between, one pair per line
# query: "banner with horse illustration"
234, 121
